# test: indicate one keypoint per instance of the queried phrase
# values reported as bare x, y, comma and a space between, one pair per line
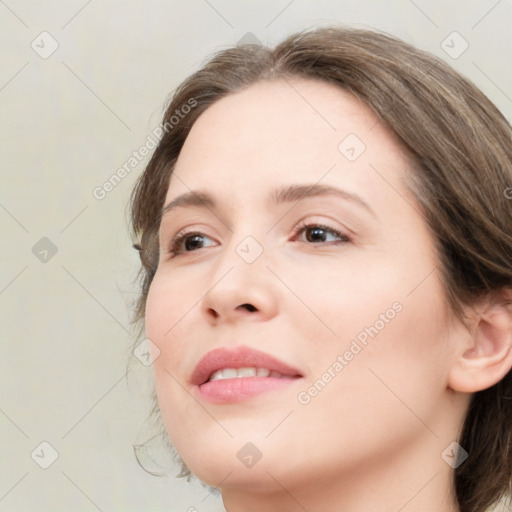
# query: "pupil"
196, 240
317, 234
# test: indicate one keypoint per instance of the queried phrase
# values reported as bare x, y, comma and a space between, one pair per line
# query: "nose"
239, 291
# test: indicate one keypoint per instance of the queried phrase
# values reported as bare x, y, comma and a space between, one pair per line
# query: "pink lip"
236, 389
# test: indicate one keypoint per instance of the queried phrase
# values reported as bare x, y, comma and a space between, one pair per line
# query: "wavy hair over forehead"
461, 149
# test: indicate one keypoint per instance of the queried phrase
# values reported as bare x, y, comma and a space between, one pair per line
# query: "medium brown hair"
461, 146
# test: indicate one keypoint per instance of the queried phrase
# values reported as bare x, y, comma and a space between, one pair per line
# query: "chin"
213, 457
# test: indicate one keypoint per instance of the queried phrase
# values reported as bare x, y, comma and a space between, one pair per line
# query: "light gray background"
67, 123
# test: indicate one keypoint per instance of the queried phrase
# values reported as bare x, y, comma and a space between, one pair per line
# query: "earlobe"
489, 357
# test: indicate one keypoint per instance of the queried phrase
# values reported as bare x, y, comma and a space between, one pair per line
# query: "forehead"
293, 130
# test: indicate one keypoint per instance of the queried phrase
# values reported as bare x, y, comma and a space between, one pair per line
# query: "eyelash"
302, 227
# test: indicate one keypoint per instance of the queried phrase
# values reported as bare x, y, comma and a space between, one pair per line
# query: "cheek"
162, 322
392, 372
160, 308
387, 317
170, 300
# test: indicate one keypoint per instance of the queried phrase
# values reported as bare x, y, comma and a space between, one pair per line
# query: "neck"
416, 480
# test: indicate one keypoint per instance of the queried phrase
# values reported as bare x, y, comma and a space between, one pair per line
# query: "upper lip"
240, 357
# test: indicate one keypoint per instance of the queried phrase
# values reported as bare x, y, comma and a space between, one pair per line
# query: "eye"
318, 233
187, 241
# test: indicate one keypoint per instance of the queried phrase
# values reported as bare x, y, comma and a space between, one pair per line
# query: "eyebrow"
285, 194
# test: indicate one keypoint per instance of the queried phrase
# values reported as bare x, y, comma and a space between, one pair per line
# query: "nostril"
214, 313
249, 307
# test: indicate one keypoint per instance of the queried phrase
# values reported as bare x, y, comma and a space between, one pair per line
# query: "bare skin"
371, 438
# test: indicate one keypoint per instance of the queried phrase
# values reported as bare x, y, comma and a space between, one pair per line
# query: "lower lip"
241, 388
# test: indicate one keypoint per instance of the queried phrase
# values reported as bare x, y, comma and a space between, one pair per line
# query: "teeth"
232, 373
245, 372
229, 373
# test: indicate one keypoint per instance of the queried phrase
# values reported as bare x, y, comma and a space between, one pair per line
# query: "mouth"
233, 375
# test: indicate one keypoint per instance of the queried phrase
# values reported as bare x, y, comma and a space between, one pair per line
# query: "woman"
325, 234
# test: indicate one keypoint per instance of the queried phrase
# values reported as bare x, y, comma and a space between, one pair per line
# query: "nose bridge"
245, 248
241, 277
243, 260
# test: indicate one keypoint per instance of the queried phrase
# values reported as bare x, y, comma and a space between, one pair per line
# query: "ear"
485, 353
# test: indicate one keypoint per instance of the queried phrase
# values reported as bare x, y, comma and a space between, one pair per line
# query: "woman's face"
351, 306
